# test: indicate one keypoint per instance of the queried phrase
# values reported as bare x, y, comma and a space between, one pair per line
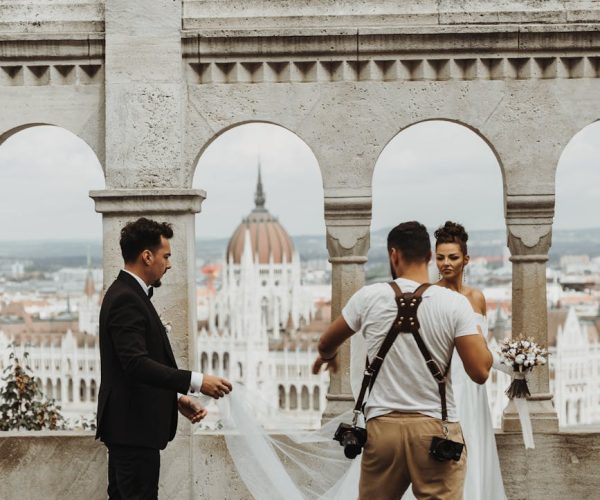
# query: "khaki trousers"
397, 454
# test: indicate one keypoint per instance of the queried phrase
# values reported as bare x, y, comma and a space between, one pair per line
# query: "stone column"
529, 221
175, 300
348, 220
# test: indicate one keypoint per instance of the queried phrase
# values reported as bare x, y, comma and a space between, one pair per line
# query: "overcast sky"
431, 172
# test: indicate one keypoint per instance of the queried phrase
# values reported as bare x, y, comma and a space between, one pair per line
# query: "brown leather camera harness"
406, 322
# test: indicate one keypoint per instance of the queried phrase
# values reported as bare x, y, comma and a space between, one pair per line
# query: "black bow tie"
150, 292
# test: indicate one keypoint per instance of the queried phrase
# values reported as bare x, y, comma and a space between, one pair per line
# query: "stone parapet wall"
51, 16
65, 465
219, 14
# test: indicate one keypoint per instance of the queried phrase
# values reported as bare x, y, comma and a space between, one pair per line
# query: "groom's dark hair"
412, 240
142, 234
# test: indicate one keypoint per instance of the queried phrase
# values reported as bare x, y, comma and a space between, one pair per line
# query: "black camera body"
444, 450
352, 438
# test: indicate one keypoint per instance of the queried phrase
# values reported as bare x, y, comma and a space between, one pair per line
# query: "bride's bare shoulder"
477, 299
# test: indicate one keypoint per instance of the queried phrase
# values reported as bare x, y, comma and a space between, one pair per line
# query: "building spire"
259, 197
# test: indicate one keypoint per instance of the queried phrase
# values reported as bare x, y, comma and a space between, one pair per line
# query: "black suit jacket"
137, 401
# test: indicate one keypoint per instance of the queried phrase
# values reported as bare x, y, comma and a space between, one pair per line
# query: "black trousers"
132, 473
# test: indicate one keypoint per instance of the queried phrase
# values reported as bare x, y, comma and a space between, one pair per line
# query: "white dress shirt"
197, 378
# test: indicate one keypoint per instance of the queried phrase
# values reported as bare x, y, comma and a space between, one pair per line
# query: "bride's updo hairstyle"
452, 232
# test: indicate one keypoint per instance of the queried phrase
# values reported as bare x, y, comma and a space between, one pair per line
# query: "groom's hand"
191, 409
215, 387
332, 365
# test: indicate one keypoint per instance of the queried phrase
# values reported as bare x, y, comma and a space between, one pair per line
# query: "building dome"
267, 236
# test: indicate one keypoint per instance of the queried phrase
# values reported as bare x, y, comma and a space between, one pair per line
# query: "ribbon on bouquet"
524, 418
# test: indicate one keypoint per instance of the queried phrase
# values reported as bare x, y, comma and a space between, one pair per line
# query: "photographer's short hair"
142, 234
412, 239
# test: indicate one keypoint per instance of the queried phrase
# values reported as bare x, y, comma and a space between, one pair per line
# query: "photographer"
413, 434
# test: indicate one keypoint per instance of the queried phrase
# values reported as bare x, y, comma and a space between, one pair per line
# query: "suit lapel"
131, 281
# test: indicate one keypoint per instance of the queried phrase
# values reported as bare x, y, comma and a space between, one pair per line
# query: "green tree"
23, 406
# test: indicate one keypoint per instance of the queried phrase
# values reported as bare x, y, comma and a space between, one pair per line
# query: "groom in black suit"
138, 398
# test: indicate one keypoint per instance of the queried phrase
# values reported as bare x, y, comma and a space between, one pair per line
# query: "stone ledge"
73, 465
148, 201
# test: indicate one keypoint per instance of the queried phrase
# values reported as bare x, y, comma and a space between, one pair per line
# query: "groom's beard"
156, 284
394, 275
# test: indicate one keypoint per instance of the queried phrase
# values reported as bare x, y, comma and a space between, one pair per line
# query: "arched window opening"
204, 363
282, 402
49, 392
305, 398
572, 274
82, 391
58, 395
317, 398
259, 281
93, 391
441, 170
293, 398
226, 364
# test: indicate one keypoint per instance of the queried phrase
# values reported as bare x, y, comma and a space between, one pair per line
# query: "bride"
309, 465
483, 478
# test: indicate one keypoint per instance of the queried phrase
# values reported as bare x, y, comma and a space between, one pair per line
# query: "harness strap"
406, 320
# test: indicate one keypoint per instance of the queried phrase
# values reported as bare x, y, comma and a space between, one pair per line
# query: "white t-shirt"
404, 382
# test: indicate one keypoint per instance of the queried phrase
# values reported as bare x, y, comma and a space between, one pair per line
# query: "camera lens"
351, 446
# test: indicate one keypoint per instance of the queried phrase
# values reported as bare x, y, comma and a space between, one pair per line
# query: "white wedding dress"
307, 465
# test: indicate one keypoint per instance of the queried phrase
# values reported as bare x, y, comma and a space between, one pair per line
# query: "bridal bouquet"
522, 356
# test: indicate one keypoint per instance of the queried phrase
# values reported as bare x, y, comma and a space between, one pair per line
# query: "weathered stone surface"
50, 465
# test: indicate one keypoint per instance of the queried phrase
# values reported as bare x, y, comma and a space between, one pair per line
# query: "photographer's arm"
337, 333
475, 355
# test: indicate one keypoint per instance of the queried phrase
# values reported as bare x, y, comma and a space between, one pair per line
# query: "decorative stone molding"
148, 201
348, 220
52, 60
529, 220
411, 68
51, 74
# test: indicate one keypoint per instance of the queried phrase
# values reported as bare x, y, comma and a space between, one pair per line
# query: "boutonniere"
166, 324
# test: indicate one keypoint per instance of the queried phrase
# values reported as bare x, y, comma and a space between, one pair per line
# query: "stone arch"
215, 362
293, 398
240, 369
564, 169
455, 121
316, 402
70, 390
282, 398
304, 398
98, 149
203, 146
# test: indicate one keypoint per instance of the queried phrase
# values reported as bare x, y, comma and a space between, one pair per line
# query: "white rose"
526, 344
520, 359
